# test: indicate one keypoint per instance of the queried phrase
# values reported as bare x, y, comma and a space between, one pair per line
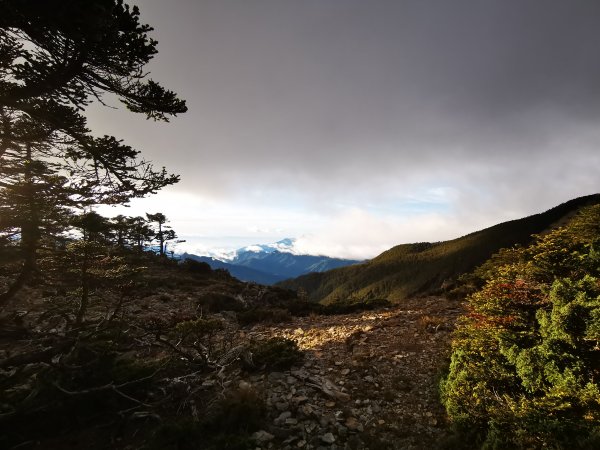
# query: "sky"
354, 125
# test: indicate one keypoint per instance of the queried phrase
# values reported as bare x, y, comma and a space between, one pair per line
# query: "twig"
110, 387
187, 356
35, 357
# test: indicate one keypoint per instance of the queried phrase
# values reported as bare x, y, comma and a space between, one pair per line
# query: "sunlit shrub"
525, 368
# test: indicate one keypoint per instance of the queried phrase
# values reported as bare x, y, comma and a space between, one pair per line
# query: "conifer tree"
56, 57
163, 232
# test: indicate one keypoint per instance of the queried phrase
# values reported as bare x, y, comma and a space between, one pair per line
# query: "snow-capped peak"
282, 246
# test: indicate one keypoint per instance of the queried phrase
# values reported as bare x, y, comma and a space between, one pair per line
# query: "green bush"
276, 354
216, 302
350, 305
226, 424
196, 267
268, 315
525, 368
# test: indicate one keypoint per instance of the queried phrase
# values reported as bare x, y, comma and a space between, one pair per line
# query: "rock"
282, 433
301, 443
328, 438
354, 443
244, 386
299, 399
345, 371
282, 406
369, 379
315, 441
291, 421
262, 437
285, 415
275, 376
310, 426
306, 410
352, 424
282, 417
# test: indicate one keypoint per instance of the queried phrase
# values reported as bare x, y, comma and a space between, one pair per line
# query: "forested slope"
411, 269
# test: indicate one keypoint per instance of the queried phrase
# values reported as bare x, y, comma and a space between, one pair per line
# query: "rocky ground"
368, 380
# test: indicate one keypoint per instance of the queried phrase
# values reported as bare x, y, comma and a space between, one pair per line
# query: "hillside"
190, 358
242, 273
410, 269
288, 265
178, 356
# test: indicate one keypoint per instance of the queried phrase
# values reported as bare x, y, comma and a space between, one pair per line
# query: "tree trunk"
85, 289
30, 234
161, 239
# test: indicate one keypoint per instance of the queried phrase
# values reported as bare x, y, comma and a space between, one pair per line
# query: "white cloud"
358, 234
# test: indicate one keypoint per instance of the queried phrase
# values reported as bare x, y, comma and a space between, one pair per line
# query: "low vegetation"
525, 368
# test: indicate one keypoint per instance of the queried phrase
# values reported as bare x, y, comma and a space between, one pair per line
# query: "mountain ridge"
271, 263
411, 269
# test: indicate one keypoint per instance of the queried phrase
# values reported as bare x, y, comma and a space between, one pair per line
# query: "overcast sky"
357, 125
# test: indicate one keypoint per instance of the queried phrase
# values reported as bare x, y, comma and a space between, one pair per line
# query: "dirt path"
369, 380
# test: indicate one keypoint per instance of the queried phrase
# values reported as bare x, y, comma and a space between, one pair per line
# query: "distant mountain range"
410, 269
271, 263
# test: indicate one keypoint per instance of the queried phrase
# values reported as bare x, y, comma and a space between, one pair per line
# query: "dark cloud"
350, 99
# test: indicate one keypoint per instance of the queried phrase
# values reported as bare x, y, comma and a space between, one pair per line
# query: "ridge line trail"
369, 378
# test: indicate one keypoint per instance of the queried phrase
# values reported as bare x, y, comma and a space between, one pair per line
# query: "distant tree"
163, 233
87, 268
118, 229
140, 232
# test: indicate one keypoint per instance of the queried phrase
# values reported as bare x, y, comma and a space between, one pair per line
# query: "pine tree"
57, 57
163, 233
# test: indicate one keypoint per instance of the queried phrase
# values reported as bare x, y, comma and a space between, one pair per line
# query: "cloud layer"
354, 112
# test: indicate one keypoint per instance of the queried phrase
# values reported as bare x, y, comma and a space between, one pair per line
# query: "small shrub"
303, 308
196, 267
268, 315
178, 434
525, 362
276, 354
217, 302
199, 335
349, 306
241, 411
431, 324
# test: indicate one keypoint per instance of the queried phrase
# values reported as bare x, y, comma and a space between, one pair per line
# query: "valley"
271, 263
183, 356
